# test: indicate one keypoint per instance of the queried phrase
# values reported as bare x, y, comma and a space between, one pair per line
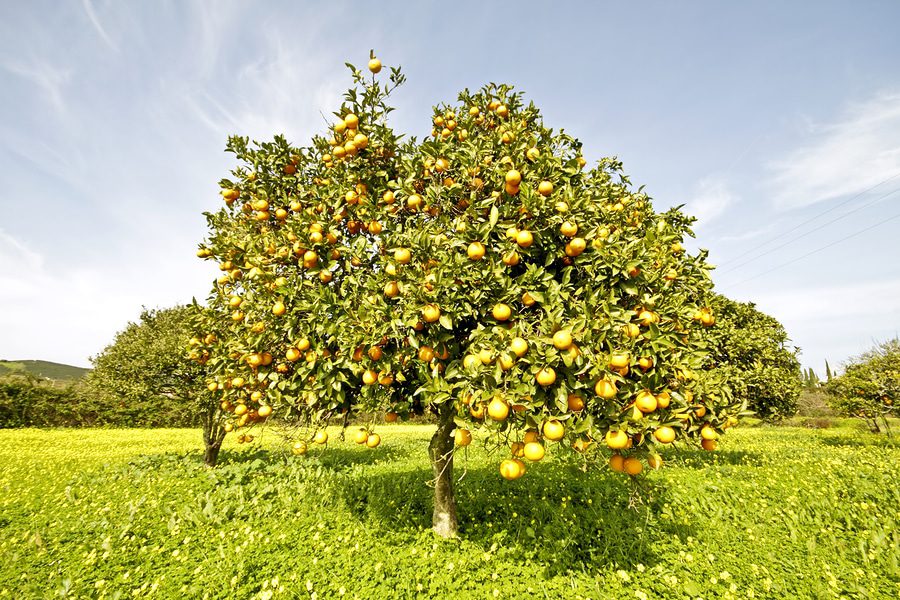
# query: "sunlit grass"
778, 512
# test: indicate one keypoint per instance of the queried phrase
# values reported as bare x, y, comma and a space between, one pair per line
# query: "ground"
777, 512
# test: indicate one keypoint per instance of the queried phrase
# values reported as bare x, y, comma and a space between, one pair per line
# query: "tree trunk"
213, 434
444, 521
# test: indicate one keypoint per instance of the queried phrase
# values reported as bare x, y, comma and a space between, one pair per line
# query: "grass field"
777, 512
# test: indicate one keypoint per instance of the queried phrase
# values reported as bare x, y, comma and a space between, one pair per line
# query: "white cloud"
835, 322
842, 158
98, 26
50, 79
711, 199
67, 312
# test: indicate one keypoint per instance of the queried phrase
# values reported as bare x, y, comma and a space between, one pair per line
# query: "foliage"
43, 369
869, 388
27, 401
777, 513
809, 380
145, 375
483, 270
752, 348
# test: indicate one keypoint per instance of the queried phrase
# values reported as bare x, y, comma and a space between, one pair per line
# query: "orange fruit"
575, 402
708, 433
462, 437
511, 469
475, 251
617, 463
633, 466
402, 255
576, 247
664, 435
530, 436
390, 417
554, 430
546, 376
616, 439
562, 339
709, 445
498, 409
299, 448
431, 313
501, 311
568, 229
524, 238
369, 377
519, 347
373, 440
321, 437
361, 436
375, 65
654, 461
533, 451
545, 188
606, 388
645, 401
513, 177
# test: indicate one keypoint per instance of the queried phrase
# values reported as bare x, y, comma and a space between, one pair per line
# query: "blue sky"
759, 116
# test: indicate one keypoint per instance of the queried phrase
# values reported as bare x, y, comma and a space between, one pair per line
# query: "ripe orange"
519, 347
375, 353
530, 436
402, 255
351, 121
372, 440
616, 439
708, 433
575, 402
633, 466
645, 363
546, 376
475, 251
279, 309
240, 409
321, 437
709, 445
545, 188
369, 377
517, 449
477, 411
511, 258
606, 388
501, 311
506, 362
524, 238
299, 448
664, 435
391, 289
645, 401
498, 409
390, 417
619, 360
462, 437
513, 177
361, 436
264, 411
663, 399
562, 339
617, 463
568, 229
528, 299
511, 469
426, 353
654, 461
431, 313
554, 430
534, 451
576, 247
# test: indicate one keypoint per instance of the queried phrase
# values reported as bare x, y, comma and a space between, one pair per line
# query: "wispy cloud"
712, 197
841, 158
49, 78
98, 26
749, 235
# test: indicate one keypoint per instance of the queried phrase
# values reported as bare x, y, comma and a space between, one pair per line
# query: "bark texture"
213, 434
444, 520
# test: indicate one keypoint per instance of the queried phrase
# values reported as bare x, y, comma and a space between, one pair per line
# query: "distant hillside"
43, 368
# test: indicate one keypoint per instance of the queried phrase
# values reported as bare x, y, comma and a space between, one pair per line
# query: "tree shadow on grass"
556, 516
870, 440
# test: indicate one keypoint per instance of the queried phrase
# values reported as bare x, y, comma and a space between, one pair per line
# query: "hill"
43, 368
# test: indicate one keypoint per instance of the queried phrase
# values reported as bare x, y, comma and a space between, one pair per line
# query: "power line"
815, 229
811, 219
843, 239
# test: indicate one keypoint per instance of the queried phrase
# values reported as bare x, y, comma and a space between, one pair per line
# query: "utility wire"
843, 239
813, 230
811, 219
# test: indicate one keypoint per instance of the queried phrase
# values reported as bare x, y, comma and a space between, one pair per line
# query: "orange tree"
869, 388
483, 275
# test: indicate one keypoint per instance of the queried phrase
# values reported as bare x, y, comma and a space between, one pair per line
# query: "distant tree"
810, 379
870, 386
828, 372
148, 374
753, 349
